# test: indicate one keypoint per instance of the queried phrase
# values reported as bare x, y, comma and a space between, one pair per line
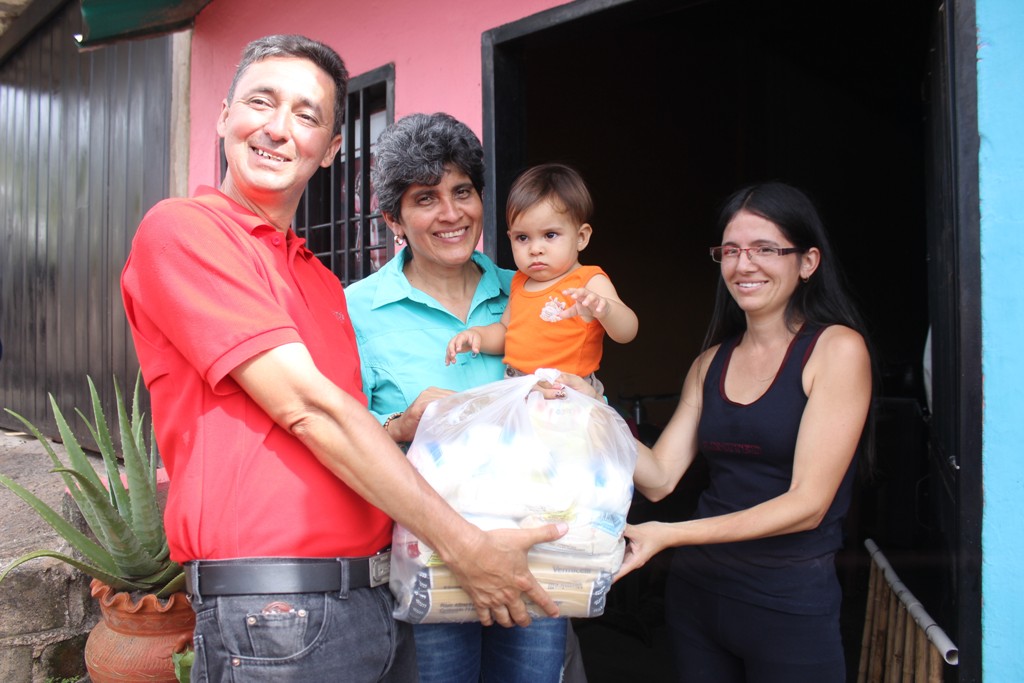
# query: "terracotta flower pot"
133, 641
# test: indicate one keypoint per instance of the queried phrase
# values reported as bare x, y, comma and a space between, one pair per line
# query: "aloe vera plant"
130, 552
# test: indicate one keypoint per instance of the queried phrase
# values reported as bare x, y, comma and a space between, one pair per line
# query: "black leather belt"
269, 575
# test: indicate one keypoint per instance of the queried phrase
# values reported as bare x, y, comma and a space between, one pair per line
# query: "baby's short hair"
550, 181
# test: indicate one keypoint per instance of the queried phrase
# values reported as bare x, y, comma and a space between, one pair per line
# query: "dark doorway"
666, 107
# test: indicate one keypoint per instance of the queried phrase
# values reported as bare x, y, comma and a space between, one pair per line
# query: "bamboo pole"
890, 637
894, 665
878, 640
935, 662
909, 656
865, 633
870, 611
920, 657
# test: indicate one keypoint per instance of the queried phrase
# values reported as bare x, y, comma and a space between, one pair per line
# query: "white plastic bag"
505, 457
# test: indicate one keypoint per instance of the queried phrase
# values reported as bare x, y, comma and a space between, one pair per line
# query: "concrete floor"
23, 459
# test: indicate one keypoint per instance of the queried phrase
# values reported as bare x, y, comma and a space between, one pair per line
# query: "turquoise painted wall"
1001, 157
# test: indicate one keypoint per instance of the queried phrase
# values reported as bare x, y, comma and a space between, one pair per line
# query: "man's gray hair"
299, 47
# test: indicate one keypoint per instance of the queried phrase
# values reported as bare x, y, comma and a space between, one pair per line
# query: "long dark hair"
822, 300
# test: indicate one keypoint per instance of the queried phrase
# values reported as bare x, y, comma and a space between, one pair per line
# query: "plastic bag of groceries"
505, 457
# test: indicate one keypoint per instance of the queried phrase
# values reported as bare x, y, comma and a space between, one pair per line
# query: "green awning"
108, 21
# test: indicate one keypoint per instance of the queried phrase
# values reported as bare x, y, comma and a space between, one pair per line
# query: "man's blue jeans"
471, 653
302, 637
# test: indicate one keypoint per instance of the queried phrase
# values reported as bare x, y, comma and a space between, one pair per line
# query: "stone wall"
46, 611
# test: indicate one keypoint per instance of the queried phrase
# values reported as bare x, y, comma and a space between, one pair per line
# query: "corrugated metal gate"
85, 140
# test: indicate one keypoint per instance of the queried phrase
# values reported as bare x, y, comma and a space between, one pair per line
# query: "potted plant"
138, 587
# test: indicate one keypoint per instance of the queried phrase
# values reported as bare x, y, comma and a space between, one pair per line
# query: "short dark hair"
550, 181
301, 47
418, 149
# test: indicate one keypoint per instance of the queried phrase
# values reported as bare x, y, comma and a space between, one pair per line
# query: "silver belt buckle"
380, 569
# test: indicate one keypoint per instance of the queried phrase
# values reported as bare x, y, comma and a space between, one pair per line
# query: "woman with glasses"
777, 403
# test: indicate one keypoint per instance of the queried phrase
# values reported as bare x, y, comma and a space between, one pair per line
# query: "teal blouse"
403, 334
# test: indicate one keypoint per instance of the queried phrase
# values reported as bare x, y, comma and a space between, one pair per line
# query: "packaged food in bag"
503, 456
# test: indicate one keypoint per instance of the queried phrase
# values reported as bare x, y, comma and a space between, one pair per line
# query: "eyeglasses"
719, 254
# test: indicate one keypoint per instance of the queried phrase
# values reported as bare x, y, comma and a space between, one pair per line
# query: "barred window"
338, 214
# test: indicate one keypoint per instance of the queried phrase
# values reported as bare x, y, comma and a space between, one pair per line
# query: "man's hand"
494, 572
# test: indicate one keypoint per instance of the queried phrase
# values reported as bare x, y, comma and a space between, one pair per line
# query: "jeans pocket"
277, 634
263, 628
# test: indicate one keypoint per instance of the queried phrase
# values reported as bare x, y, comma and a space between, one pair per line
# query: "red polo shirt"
207, 286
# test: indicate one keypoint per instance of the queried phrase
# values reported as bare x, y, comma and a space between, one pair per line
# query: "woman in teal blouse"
428, 175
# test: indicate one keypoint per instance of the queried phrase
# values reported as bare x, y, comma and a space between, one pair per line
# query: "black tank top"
749, 450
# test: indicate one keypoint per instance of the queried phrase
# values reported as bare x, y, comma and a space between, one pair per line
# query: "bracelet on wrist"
391, 418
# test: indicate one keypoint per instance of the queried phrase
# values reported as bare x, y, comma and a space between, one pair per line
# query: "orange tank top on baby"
537, 340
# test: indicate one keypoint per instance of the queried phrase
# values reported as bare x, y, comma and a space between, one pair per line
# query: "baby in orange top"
558, 310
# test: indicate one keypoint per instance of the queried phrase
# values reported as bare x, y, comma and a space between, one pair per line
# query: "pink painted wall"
435, 47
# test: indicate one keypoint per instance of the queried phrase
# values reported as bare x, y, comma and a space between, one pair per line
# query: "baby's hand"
463, 341
588, 303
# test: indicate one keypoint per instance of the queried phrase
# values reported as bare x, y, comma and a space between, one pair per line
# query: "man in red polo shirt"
283, 486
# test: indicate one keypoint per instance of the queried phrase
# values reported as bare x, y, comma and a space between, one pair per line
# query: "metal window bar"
901, 642
365, 250
356, 182
316, 215
335, 215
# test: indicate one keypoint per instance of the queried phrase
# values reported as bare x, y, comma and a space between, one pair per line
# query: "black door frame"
504, 151
960, 29
503, 110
